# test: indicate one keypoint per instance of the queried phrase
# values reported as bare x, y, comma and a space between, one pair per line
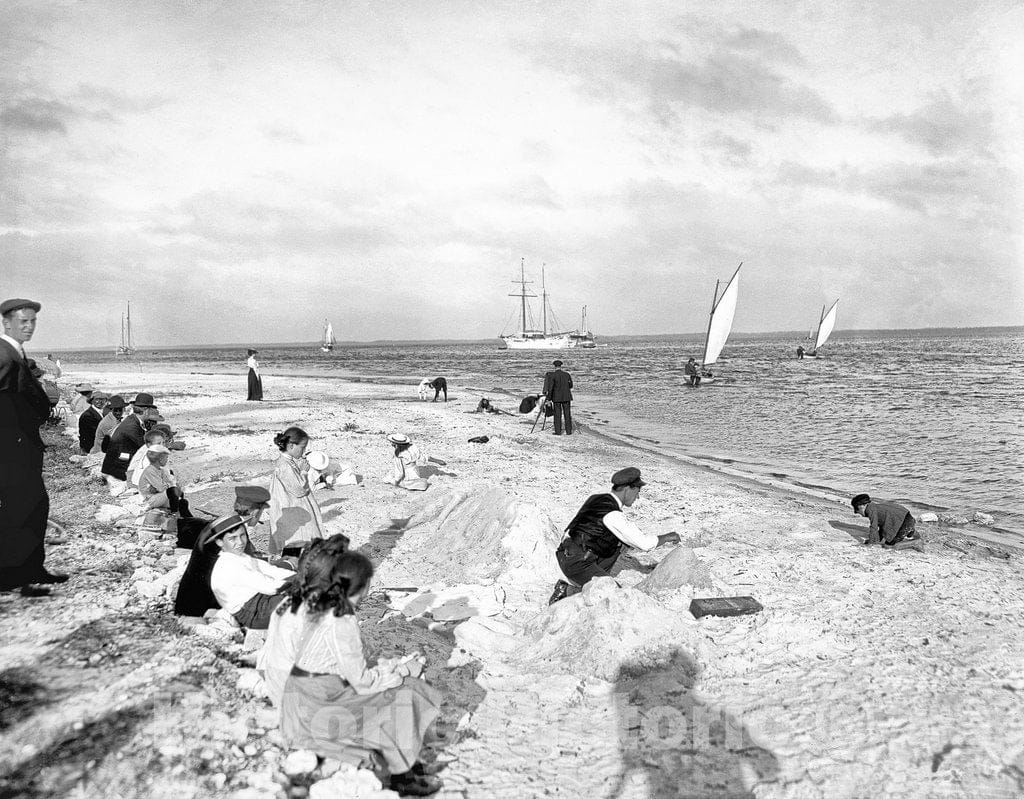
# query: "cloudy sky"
242, 170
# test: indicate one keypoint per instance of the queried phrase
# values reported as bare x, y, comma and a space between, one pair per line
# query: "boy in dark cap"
250, 502
598, 532
891, 524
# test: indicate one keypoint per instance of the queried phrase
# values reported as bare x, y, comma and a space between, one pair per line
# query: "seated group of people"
305, 592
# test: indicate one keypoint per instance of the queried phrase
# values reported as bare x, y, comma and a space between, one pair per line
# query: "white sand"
868, 673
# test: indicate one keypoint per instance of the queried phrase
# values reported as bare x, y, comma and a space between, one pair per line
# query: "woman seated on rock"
224, 571
406, 467
332, 703
295, 518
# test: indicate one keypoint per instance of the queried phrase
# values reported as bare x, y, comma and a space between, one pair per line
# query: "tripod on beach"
541, 416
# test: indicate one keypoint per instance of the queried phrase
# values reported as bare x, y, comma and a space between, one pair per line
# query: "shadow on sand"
678, 745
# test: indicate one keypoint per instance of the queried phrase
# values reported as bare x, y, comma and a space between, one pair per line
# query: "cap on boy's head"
218, 528
143, 400
558, 363
116, 401
860, 499
16, 304
83, 388
255, 495
100, 395
630, 476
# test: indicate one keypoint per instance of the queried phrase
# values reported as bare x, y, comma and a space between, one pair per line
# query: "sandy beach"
867, 673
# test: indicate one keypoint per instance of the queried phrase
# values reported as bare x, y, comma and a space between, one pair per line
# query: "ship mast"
522, 293
544, 300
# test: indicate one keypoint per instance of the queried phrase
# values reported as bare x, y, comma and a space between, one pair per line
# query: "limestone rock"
983, 519
953, 519
250, 681
108, 514
301, 762
149, 590
928, 517
350, 783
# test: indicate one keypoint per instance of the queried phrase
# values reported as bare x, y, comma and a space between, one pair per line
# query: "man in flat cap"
558, 390
24, 503
112, 417
599, 531
124, 441
891, 524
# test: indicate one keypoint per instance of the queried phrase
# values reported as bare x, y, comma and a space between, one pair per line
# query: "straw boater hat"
218, 528
399, 438
83, 388
318, 460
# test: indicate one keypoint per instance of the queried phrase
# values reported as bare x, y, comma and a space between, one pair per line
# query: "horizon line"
619, 337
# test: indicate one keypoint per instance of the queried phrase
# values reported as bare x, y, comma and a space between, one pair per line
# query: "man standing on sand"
24, 503
558, 390
598, 532
891, 524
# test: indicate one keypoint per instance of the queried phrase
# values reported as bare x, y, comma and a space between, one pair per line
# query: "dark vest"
587, 529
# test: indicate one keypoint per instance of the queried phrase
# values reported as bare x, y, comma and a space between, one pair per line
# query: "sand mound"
679, 569
480, 535
593, 634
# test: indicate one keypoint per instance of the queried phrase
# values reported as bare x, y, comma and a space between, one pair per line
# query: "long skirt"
323, 713
255, 387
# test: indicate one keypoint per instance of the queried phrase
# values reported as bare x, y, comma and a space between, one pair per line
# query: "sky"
241, 171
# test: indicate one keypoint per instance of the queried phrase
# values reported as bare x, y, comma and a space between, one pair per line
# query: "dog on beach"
438, 384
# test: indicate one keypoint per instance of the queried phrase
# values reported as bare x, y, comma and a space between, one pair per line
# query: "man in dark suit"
90, 420
558, 390
126, 439
24, 503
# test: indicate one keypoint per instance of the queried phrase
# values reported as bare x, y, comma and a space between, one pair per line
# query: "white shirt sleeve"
627, 532
236, 579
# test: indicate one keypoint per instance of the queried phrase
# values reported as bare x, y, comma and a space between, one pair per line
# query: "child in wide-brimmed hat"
406, 468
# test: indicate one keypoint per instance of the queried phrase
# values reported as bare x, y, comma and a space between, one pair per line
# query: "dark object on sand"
479, 440
529, 403
724, 606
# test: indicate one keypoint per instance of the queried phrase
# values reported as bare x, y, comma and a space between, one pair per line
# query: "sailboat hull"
558, 341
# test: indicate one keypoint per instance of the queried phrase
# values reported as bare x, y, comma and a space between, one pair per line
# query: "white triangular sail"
329, 340
827, 325
722, 311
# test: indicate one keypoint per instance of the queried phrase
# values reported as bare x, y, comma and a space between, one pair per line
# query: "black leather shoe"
561, 592
33, 591
48, 578
412, 784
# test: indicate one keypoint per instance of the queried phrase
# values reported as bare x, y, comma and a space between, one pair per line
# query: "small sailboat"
826, 325
723, 309
126, 348
329, 339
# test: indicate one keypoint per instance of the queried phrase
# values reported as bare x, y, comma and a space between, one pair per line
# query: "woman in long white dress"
294, 517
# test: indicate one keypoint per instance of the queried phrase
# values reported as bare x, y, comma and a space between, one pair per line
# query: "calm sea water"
936, 422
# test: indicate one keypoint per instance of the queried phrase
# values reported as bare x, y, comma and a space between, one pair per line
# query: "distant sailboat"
126, 347
329, 340
528, 338
826, 325
723, 309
